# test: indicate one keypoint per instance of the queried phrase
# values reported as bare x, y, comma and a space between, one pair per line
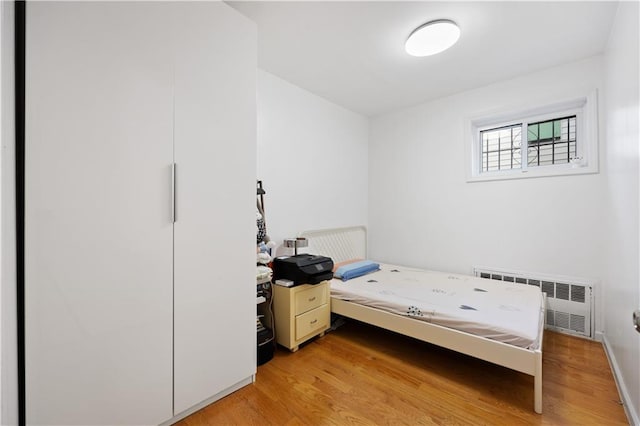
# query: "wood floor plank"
363, 375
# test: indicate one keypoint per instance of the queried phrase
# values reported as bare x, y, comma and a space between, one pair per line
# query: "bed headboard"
339, 244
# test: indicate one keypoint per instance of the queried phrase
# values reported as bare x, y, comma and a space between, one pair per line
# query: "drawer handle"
314, 321
312, 299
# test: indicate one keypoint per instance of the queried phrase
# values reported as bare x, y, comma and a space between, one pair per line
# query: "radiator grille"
569, 300
562, 291
578, 293
549, 288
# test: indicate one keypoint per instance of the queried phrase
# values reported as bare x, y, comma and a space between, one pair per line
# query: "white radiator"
570, 301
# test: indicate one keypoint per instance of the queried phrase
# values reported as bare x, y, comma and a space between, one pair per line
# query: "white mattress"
506, 312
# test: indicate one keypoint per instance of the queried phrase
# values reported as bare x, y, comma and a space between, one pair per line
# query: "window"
501, 148
553, 140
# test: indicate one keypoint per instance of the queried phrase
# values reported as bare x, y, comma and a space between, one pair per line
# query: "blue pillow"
356, 269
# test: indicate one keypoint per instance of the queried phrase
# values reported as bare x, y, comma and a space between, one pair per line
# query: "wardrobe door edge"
215, 153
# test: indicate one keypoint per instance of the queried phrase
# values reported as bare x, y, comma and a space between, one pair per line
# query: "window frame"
585, 110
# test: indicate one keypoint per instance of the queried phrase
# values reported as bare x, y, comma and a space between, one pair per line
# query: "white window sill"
543, 171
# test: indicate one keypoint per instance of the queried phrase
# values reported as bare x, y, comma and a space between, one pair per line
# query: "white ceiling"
352, 53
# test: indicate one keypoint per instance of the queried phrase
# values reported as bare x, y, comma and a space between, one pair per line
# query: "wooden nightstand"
300, 312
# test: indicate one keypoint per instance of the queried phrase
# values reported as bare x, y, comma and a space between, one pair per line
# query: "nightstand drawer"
315, 320
310, 298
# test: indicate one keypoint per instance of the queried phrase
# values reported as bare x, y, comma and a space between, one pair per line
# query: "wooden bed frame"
349, 243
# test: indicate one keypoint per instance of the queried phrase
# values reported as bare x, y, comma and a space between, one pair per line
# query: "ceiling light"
432, 37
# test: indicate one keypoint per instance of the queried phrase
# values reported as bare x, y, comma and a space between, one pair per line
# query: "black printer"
303, 268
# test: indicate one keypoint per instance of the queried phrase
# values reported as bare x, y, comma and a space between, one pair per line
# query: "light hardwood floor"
360, 374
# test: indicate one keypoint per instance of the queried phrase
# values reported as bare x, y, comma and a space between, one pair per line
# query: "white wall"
622, 236
423, 213
8, 341
312, 158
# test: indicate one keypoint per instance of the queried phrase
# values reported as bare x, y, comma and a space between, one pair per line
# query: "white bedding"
506, 312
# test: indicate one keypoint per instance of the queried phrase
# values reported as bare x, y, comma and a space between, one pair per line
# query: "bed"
389, 299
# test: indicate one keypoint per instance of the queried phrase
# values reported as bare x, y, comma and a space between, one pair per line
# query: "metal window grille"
501, 148
551, 141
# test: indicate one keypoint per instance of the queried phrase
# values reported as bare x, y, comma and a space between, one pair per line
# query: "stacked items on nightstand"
264, 319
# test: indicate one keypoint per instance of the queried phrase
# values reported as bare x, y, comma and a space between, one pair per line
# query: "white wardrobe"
140, 161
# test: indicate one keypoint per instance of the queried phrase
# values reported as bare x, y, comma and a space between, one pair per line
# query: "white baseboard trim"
240, 384
599, 336
630, 410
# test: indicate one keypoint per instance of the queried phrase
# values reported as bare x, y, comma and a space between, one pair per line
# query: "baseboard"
240, 384
599, 336
630, 410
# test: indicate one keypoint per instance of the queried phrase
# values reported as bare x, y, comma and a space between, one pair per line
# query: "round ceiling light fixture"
432, 37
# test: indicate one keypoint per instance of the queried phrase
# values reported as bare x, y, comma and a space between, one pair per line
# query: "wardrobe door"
98, 244
215, 153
